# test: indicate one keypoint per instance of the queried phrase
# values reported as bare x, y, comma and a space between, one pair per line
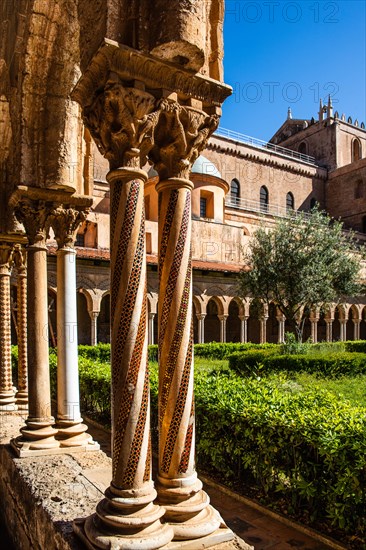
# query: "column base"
188, 508
37, 436
7, 401
21, 399
125, 519
72, 435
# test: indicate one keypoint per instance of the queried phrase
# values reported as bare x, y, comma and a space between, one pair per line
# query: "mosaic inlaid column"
71, 433
7, 394
128, 516
20, 258
38, 435
179, 489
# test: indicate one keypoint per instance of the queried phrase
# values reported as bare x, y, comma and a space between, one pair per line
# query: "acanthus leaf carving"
35, 216
65, 222
20, 259
179, 137
122, 121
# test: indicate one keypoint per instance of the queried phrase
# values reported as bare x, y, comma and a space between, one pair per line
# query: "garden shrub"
355, 346
304, 447
218, 350
337, 364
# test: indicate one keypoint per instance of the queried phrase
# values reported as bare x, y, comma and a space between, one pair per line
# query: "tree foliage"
303, 262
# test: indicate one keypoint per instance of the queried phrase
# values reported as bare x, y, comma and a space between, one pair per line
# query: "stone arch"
235, 311
303, 148
356, 152
363, 322
214, 308
352, 315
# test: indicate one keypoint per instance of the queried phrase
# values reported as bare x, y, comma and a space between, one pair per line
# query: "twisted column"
122, 122
179, 489
20, 258
7, 395
128, 508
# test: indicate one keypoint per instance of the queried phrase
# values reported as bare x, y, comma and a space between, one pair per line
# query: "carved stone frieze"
122, 121
65, 222
131, 65
180, 135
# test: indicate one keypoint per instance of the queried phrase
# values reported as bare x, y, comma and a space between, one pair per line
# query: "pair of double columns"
12, 254
175, 513
37, 211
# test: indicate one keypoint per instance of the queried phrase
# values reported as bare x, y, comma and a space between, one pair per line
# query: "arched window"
264, 199
313, 203
234, 191
290, 202
303, 148
356, 150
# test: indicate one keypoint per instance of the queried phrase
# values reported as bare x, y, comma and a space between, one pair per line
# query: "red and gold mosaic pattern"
5, 332
129, 344
175, 334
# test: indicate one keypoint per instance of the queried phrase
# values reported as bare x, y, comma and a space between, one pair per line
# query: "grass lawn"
350, 388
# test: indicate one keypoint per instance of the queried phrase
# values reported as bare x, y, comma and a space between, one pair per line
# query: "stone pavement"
253, 524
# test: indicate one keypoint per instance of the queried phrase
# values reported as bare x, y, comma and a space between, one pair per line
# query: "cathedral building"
239, 183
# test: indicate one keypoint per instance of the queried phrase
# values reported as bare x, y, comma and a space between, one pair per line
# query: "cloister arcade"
217, 317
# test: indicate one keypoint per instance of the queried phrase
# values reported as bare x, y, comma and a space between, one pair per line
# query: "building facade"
239, 183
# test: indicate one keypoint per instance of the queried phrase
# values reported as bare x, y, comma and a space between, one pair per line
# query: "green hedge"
337, 364
216, 350
305, 449
356, 346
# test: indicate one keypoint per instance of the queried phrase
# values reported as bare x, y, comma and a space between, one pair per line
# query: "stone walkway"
254, 525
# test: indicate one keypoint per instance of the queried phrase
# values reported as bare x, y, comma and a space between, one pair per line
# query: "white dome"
205, 167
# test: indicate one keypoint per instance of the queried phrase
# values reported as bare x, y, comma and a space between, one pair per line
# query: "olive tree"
304, 261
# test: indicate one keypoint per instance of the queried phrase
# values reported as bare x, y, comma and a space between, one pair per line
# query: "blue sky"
281, 54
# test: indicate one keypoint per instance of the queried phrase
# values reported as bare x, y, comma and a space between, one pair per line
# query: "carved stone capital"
65, 222
180, 135
20, 259
122, 121
35, 216
6, 258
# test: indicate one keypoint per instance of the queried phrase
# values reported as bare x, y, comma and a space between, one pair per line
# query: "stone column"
7, 394
94, 327
356, 329
38, 435
179, 489
281, 329
343, 329
151, 328
201, 327
20, 259
65, 222
263, 330
243, 329
223, 319
329, 326
314, 330
127, 517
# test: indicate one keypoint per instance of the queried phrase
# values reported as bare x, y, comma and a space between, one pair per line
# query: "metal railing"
263, 209
264, 145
